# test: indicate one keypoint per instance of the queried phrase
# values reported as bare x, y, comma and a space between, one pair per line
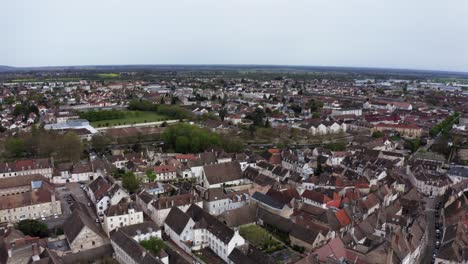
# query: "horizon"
342, 68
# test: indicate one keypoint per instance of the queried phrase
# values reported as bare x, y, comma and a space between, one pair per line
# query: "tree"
15, 147
378, 134
100, 142
154, 244
150, 175
71, 147
33, 228
222, 114
130, 182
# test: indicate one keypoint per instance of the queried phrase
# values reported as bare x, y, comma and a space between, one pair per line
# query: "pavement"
428, 250
63, 193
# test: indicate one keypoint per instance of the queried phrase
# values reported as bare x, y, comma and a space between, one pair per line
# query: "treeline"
185, 138
444, 126
44, 144
93, 116
171, 111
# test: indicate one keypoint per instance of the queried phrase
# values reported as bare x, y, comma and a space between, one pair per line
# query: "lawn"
108, 75
260, 238
130, 117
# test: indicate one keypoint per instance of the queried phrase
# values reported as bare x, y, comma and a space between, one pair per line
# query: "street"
427, 251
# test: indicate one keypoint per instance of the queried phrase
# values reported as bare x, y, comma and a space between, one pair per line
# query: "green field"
108, 75
130, 117
260, 238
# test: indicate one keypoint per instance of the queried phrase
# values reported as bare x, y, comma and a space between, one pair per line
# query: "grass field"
130, 117
108, 75
261, 238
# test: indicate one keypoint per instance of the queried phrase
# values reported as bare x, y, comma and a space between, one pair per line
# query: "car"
42, 217
82, 186
89, 204
437, 231
97, 220
55, 216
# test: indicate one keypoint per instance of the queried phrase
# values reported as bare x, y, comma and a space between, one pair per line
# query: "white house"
197, 229
120, 215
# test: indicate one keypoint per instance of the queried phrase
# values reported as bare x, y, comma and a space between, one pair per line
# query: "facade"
120, 215
32, 199
404, 129
165, 173
26, 167
81, 231
218, 201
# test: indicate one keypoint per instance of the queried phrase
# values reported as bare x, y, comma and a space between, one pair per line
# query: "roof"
268, 200
177, 220
133, 230
248, 254
18, 181
133, 249
76, 222
223, 172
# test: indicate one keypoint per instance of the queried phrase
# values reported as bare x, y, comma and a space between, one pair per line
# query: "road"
426, 253
63, 193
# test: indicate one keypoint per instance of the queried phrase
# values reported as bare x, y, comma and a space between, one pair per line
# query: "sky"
409, 34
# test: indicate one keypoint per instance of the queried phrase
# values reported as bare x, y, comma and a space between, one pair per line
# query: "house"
272, 205
26, 167
315, 198
165, 173
406, 130
127, 246
249, 254
30, 197
196, 229
81, 231
103, 194
221, 174
218, 200
120, 215
159, 208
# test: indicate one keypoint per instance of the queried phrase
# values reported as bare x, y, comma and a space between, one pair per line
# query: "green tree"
33, 228
100, 142
15, 147
154, 244
130, 182
150, 175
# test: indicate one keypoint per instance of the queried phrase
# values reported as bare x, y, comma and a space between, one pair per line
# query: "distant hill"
4, 68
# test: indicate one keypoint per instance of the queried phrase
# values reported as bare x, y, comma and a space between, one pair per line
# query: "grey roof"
133, 248
145, 227
223, 172
177, 220
268, 200
76, 222
459, 171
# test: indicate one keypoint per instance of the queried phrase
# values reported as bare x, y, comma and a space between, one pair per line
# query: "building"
30, 198
218, 200
165, 173
120, 215
159, 208
406, 130
129, 251
103, 194
81, 230
197, 229
221, 174
26, 167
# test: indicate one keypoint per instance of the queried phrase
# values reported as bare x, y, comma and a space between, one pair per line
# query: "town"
232, 165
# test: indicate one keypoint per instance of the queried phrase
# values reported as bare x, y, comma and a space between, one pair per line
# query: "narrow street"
427, 251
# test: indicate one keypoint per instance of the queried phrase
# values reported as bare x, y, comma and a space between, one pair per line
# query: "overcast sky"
414, 34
